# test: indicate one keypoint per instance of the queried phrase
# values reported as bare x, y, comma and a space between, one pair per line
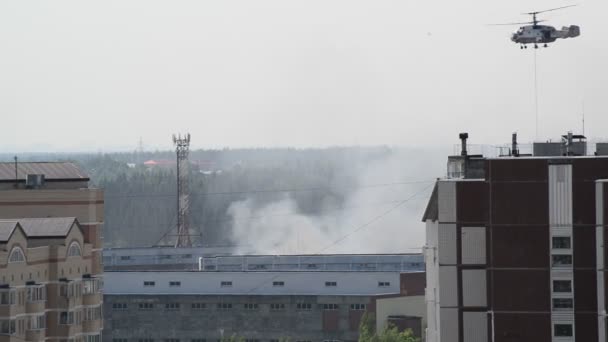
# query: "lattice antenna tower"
182, 149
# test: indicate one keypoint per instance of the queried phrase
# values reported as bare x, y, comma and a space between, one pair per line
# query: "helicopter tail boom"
568, 32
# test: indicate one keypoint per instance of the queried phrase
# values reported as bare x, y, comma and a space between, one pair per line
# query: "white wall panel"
473, 245
449, 325
254, 283
446, 201
447, 244
560, 195
448, 292
474, 291
475, 326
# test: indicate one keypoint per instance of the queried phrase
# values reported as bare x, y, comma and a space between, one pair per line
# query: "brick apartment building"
50, 254
515, 246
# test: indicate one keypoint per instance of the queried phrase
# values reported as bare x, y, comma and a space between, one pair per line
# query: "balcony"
92, 299
35, 335
91, 327
34, 307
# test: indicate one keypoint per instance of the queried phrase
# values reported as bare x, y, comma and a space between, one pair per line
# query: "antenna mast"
182, 149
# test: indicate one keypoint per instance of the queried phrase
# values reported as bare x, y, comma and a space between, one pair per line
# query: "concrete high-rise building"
50, 253
516, 246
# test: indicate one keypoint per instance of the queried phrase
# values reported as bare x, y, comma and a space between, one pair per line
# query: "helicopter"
541, 34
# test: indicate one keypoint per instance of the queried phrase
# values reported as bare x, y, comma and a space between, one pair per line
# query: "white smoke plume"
361, 225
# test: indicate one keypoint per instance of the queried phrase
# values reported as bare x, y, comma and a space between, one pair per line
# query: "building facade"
47, 291
257, 298
515, 247
50, 253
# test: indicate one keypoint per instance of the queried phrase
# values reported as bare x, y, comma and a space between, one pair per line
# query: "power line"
203, 194
373, 220
261, 217
354, 231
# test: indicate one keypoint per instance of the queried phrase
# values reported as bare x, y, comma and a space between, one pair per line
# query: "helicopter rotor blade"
549, 10
511, 24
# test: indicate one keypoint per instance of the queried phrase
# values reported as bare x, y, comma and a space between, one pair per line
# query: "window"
149, 283
74, 249
357, 307
331, 283
91, 285
125, 257
119, 340
16, 255
562, 286
92, 314
7, 326
226, 284
146, 306
172, 306
224, 306
303, 306
199, 306
119, 306
36, 293
71, 289
37, 322
145, 340
562, 330
384, 283
561, 260
175, 283
330, 306
278, 283
561, 242
250, 306
66, 317
563, 303
171, 340
7, 297
92, 338
198, 340
252, 340
277, 306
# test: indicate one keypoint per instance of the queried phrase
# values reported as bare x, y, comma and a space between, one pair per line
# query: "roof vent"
34, 181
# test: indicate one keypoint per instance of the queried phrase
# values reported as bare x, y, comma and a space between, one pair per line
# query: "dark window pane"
562, 330
562, 260
562, 286
561, 242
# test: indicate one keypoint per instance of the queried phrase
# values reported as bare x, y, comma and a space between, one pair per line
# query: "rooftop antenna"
583, 117
182, 149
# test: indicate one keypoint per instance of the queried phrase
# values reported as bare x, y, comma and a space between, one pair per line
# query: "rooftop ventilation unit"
34, 181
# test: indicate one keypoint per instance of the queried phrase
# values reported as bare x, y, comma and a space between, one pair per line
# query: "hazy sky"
83, 75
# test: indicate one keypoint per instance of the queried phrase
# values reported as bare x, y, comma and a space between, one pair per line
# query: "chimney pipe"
16, 174
463, 139
514, 149
569, 144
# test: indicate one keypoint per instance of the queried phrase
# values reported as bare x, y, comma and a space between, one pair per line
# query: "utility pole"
182, 148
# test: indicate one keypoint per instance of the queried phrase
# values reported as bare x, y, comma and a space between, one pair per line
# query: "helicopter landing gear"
521, 47
546, 45
536, 46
